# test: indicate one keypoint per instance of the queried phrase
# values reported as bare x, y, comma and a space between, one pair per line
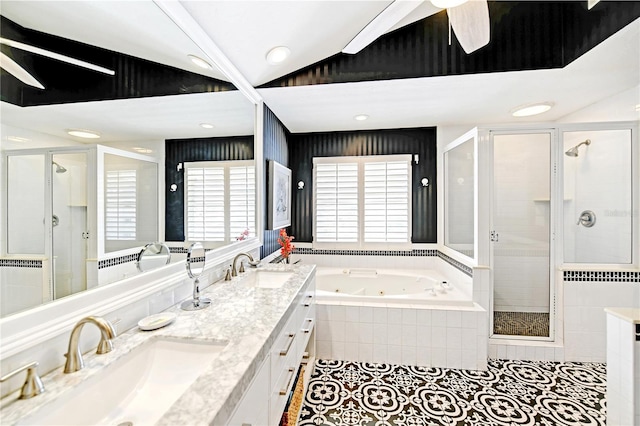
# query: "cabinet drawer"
280, 393
284, 346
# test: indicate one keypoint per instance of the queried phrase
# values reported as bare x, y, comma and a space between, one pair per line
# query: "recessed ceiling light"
531, 109
86, 134
361, 117
206, 125
278, 54
200, 62
444, 4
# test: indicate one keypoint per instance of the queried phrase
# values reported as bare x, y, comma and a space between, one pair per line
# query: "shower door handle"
587, 219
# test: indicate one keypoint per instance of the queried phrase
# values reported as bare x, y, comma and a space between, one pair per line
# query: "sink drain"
125, 424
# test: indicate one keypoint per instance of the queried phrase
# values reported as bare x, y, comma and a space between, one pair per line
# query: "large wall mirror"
156, 94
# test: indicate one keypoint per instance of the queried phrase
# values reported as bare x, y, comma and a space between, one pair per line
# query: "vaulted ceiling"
410, 77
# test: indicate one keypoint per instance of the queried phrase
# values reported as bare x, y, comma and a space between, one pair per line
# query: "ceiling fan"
469, 20
23, 75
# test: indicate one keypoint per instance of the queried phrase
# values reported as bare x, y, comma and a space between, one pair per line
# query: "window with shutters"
219, 201
362, 202
120, 205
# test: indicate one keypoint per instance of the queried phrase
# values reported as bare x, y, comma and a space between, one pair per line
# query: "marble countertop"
631, 315
247, 319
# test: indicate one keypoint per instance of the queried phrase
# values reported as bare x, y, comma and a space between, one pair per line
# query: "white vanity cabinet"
265, 400
253, 408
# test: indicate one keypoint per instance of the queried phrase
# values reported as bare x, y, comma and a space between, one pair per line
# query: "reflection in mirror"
167, 98
152, 256
130, 202
459, 198
196, 260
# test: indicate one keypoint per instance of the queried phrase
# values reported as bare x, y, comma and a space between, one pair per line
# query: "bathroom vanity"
237, 361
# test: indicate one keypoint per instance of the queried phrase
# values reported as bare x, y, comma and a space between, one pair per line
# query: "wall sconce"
425, 182
179, 166
173, 187
301, 185
416, 158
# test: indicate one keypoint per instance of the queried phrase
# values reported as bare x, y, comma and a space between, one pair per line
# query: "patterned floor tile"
510, 393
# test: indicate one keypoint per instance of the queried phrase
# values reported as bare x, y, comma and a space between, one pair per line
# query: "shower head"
573, 152
59, 168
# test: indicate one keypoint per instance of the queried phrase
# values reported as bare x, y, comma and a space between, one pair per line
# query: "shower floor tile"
521, 324
537, 393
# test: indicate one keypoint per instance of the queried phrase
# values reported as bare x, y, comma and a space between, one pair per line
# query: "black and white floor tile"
510, 393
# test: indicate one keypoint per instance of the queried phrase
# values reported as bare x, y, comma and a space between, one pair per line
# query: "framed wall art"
279, 196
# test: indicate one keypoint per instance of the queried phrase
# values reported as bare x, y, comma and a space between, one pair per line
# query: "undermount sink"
136, 389
267, 279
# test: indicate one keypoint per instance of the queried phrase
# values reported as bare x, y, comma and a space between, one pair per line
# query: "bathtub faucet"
444, 285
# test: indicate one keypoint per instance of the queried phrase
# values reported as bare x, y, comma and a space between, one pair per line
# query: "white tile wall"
22, 288
585, 320
414, 335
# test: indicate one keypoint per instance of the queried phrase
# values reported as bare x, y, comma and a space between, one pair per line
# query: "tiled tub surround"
248, 318
402, 332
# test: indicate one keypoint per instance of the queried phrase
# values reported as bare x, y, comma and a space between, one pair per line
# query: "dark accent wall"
187, 150
524, 36
421, 141
65, 83
275, 148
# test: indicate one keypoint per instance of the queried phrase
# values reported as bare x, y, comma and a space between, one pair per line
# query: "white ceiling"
313, 30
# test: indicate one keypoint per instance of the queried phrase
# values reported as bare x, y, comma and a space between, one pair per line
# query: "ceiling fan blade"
9, 65
470, 23
56, 56
385, 20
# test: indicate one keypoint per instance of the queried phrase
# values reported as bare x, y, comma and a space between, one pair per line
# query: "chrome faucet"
74, 356
234, 271
32, 385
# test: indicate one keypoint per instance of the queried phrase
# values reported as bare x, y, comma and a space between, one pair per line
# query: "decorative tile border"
458, 265
105, 263
602, 276
21, 263
366, 252
418, 253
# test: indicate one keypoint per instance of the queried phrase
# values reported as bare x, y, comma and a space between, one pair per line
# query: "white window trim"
226, 165
360, 244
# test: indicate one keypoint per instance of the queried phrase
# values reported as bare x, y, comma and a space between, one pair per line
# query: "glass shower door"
520, 234
69, 223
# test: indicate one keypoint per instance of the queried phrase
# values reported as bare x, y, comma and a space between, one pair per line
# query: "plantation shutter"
336, 192
242, 200
120, 205
220, 200
362, 202
204, 206
387, 201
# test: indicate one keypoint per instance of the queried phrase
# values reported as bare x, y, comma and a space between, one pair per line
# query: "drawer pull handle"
285, 351
286, 388
308, 302
308, 330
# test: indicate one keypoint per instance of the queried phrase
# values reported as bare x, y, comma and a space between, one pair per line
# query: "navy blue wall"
421, 141
275, 148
